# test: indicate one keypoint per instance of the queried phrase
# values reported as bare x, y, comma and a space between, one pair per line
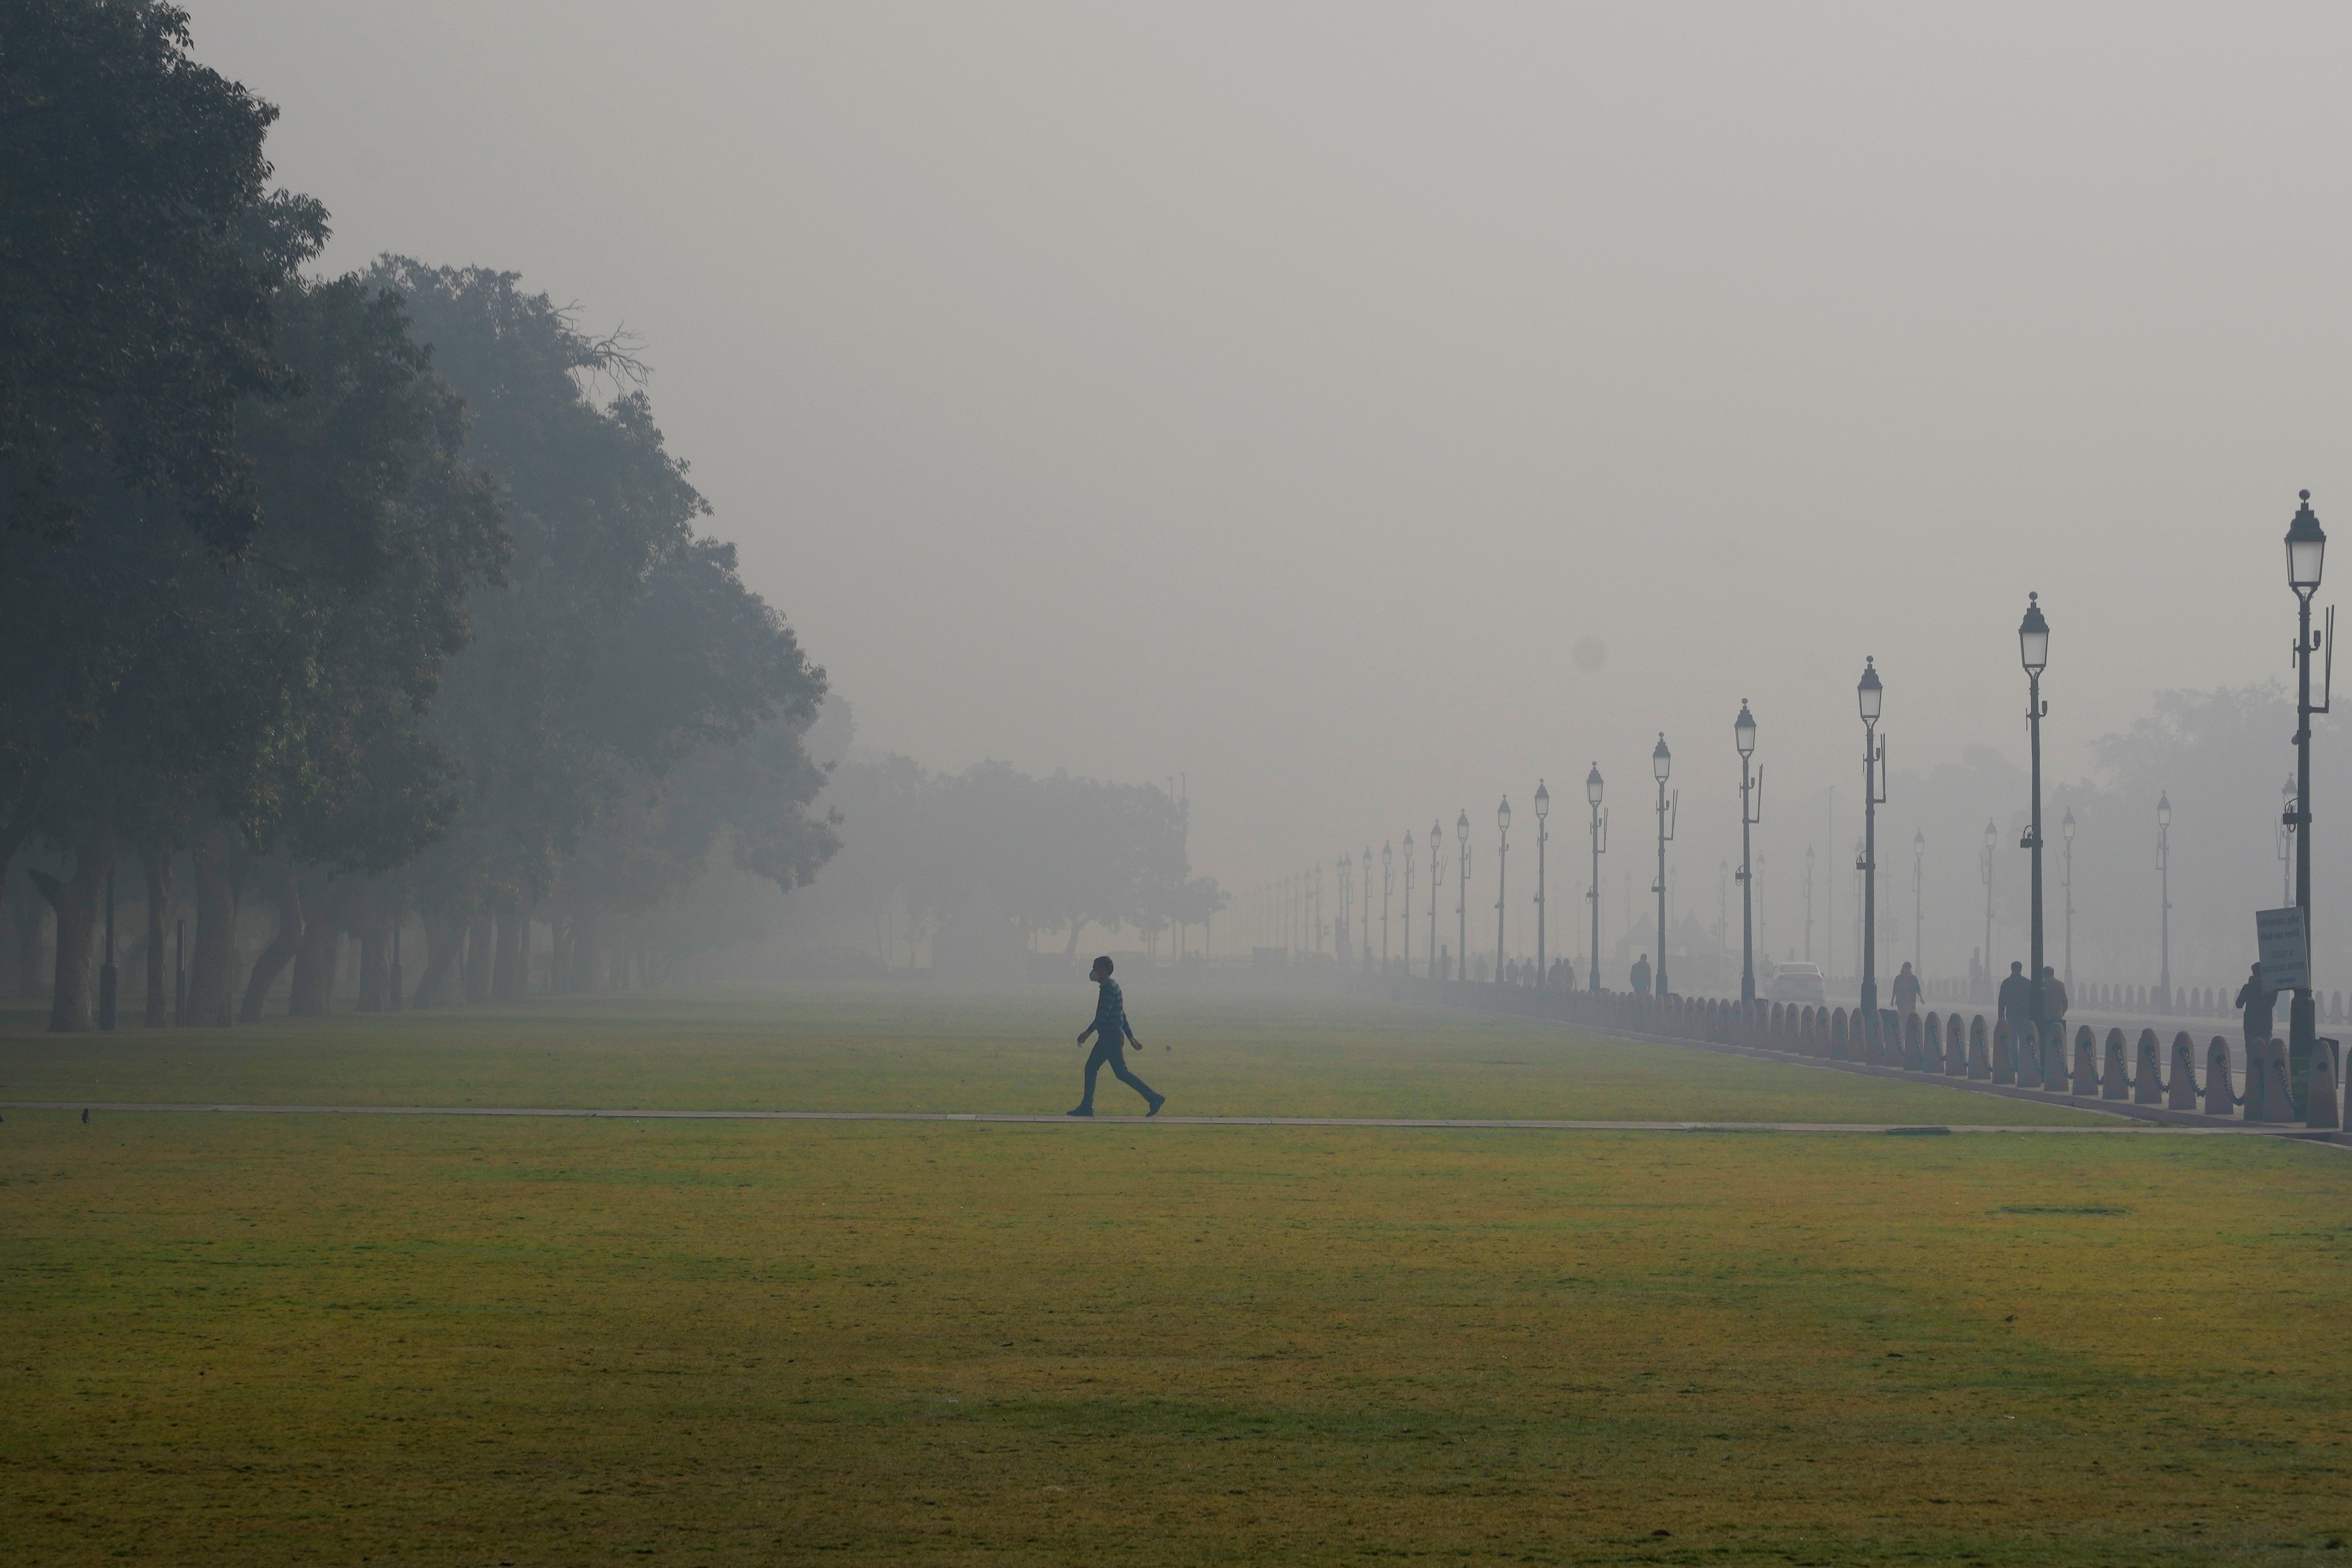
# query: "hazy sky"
1282, 394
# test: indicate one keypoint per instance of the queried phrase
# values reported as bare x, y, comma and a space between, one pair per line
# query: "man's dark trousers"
1115, 1053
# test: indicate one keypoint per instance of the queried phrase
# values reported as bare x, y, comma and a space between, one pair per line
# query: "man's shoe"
1156, 1102
1081, 1110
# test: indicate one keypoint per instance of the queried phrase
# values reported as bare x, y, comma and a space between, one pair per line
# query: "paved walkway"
622, 1114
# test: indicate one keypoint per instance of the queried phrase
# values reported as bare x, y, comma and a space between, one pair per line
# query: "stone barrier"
2148, 1086
2319, 1095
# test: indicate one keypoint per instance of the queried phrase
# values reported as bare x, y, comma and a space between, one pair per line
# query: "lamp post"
1342, 868
1870, 695
1599, 847
1388, 886
2284, 833
1462, 897
1751, 813
2164, 900
2066, 832
2033, 652
1543, 837
1662, 762
1367, 909
1502, 850
1992, 840
1809, 904
1918, 902
1437, 879
1408, 903
2306, 549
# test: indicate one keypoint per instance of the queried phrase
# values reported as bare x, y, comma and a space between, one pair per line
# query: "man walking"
1111, 1037
2016, 1003
1906, 992
1641, 976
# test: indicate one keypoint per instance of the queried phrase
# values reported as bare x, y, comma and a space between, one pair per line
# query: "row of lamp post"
2307, 546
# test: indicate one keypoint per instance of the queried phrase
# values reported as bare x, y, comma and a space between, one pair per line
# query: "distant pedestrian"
1641, 975
1906, 992
1567, 975
2053, 998
2254, 1001
1112, 1035
2015, 1006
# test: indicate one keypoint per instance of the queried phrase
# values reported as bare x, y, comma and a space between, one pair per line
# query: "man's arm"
1084, 1033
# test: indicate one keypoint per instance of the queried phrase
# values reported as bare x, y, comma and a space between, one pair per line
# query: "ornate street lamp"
2306, 552
1408, 903
1751, 813
1367, 909
1809, 904
2033, 652
2164, 899
1461, 898
1503, 848
2066, 832
1543, 837
1869, 694
1992, 840
1918, 903
1436, 878
1599, 847
1388, 886
1662, 762
1343, 866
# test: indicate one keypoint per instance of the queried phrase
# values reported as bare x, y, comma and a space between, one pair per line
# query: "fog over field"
1341, 417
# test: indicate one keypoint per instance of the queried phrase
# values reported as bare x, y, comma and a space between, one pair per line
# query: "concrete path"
622, 1114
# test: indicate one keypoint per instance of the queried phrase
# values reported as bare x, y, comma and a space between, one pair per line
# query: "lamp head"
1388, 856
2066, 828
1502, 814
2306, 548
2034, 636
1436, 836
1868, 691
2163, 809
1662, 760
1918, 841
1592, 785
1462, 825
1991, 838
1743, 730
1543, 801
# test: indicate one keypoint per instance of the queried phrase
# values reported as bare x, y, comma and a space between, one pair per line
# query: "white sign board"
2285, 949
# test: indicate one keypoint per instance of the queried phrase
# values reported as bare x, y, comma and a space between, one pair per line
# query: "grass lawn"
269, 1339
1212, 1052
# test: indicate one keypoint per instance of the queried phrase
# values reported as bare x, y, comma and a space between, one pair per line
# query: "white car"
1797, 983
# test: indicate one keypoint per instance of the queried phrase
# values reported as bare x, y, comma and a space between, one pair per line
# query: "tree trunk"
26, 911
510, 982
287, 894
157, 861
222, 869
580, 957
75, 902
373, 925
320, 951
445, 944
479, 937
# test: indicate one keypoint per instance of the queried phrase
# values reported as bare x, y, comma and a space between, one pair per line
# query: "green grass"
275, 1339
1212, 1052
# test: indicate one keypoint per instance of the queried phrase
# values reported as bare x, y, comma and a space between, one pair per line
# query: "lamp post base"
2301, 1037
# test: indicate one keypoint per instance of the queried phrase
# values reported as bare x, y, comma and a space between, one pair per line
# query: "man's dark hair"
1103, 963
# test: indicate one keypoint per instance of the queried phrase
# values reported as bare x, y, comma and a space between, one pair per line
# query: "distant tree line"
1055, 854
373, 599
